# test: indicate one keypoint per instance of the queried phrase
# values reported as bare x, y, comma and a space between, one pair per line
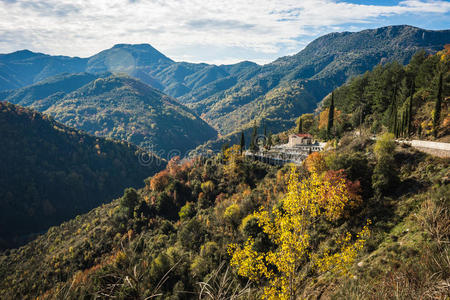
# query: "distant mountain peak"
143, 46
21, 54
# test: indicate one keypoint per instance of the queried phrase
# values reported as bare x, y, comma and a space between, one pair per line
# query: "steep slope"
183, 221
50, 173
294, 84
396, 98
127, 109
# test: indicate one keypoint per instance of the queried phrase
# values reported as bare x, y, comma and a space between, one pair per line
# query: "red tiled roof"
303, 135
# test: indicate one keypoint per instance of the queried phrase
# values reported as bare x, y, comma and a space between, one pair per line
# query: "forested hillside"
50, 173
117, 106
409, 101
292, 85
47, 92
376, 226
376, 101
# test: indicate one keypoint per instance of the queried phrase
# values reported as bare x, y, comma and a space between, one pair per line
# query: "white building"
300, 145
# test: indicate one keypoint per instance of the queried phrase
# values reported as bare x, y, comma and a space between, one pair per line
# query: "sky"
212, 31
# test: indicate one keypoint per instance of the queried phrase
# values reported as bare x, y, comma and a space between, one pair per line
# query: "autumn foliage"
289, 226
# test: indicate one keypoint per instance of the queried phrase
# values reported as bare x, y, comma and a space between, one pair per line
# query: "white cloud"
262, 28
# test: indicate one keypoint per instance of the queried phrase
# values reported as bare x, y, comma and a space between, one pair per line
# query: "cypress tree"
437, 108
300, 126
395, 125
331, 115
242, 142
253, 141
265, 134
269, 140
411, 97
405, 126
393, 111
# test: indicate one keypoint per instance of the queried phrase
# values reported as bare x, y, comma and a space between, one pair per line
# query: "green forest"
408, 101
51, 173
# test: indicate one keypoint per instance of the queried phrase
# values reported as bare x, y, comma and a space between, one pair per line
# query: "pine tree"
437, 108
242, 142
331, 115
300, 126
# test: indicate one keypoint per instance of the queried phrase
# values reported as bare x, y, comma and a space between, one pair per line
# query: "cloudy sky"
214, 31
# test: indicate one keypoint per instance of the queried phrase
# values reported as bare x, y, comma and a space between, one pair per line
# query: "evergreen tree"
269, 140
253, 141
242, 142
437, 108
331, 115
300, 126
395, 124
393, 112
411, 97
265, 134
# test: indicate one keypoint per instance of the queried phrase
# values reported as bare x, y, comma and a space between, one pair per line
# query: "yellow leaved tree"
288, 226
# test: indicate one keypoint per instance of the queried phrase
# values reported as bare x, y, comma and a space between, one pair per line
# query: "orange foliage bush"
159, 181
315, 162
353, 188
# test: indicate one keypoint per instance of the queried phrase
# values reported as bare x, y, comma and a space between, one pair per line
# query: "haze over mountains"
232, 97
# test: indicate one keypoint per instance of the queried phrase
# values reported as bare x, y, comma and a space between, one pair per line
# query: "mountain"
125, 108
141, 61
22, 68
234, 97
292, 85
43, 94
51, 173
116, 106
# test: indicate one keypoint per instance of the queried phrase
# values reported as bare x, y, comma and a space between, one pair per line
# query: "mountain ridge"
117, 106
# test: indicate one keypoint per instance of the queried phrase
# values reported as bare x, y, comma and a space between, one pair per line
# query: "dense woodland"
173, 236
292, 85
409, 100
51, 173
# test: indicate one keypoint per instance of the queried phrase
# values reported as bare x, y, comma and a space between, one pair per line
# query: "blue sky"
210, 31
